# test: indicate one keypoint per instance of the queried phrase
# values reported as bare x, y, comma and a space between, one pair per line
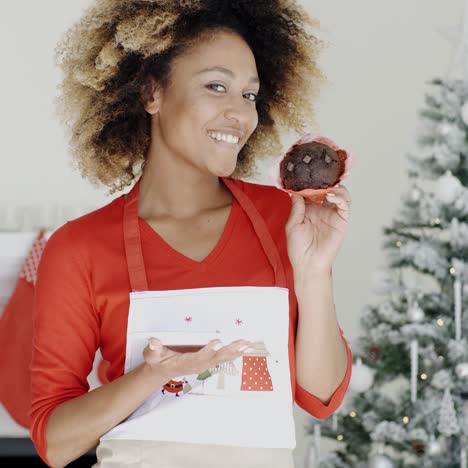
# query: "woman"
188, 95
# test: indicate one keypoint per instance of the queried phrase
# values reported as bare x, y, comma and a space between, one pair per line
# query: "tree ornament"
435, 446
415, 313
311, 457
457, 297
419, 447
374, 352
414, 352
362, 377
380, 461
447, 188
444, 129
464, 113
415, 194
461, 370
448, 423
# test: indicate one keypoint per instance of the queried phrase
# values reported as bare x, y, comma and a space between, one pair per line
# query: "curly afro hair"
116, 48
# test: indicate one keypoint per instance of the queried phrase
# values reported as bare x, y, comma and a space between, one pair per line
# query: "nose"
238, 109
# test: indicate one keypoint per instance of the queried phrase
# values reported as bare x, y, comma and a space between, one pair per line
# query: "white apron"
244, 406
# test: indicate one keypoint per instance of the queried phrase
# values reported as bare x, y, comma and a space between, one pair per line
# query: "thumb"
296, 215
154, 344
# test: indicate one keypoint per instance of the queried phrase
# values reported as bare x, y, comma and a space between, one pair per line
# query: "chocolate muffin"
310, 166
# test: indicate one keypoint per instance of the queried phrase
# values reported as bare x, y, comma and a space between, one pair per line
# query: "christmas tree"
407, 404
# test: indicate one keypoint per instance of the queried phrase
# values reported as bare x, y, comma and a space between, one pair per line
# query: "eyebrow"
226, 71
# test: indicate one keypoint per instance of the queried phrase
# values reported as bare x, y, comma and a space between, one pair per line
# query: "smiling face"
208, 111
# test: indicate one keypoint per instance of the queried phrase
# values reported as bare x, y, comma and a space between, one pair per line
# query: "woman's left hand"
315, 233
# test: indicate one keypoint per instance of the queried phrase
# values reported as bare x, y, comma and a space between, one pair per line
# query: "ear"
151, 96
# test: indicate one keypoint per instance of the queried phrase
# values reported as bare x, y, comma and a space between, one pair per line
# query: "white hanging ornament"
414, 352
462, 370
464, 113
457, 292
447, 188
444, 128
415, 194
362, 377
448, 422
380, 461
434, 446
311, 458
415, 313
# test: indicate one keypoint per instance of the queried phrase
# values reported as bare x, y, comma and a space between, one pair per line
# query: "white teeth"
224, 137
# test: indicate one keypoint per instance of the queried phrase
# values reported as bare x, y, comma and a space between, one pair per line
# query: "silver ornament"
362, 377
444, 128
415, 194
435, 446
415, 313
380, 461
462, 370
447, 188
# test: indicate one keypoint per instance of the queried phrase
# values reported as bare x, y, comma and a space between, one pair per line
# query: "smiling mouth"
227, 139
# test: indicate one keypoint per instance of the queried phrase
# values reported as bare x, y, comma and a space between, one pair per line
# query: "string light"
398, 243
440, 322
405, 420
352, 414
441, 358
452, 270
339, 437
423, 376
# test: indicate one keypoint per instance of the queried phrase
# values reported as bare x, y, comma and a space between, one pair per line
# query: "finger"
232, 351
339, 201
154, 344
341, 191
342, 206
296, 215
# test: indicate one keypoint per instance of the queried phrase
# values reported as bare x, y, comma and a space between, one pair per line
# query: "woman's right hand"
171, 363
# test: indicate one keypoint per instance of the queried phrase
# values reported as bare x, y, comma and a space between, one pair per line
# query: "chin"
224, 171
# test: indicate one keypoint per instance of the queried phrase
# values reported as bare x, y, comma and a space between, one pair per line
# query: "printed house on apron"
255, 374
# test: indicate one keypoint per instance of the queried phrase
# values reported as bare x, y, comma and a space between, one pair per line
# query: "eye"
254, 99
213, 85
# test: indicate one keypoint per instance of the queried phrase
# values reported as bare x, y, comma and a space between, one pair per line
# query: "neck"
178, 190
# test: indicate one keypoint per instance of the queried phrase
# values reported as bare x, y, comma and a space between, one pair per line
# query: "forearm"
321, 357
75, 426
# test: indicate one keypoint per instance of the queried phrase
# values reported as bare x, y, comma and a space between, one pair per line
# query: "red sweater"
82, 296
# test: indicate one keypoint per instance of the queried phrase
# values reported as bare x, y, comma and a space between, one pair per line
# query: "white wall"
380, 56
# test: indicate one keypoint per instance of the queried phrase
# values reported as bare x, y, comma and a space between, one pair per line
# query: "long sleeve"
316, 407
65, 331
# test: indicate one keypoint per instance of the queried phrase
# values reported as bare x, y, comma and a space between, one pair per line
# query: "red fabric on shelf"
16, 338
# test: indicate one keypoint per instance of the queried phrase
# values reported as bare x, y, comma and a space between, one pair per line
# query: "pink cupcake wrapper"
316, 196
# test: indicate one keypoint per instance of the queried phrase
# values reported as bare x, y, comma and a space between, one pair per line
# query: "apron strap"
262, 232
133, 251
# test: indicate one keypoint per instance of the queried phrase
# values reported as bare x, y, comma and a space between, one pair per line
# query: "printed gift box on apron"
243, 403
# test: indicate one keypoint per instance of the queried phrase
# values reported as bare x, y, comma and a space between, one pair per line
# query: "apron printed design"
213, 405
255, 374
